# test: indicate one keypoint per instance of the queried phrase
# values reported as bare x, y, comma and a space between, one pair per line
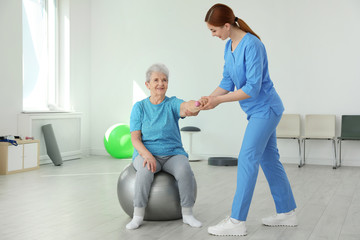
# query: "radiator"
67, 129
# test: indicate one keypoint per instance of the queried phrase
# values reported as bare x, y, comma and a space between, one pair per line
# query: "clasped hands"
206, 103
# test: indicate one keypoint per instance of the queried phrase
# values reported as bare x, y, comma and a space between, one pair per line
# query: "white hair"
158, 67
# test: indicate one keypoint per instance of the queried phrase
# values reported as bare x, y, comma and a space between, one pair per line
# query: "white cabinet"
15, 156
31, 155
20, 158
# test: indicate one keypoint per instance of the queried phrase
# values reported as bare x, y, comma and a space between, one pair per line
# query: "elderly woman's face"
158, 83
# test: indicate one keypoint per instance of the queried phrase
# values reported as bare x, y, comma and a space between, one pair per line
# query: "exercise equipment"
222, 161
117, 141
164, 198
52, 148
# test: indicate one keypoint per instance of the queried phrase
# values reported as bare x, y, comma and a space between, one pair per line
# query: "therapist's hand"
210, 102
201, 103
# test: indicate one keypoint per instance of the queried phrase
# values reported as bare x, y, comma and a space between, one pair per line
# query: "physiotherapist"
246, 79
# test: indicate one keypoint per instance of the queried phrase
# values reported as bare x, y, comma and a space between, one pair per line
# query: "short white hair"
157, 67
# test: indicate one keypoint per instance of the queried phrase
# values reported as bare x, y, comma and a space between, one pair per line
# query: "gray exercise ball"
164, 198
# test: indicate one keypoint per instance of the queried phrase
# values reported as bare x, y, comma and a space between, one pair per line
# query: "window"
40, 51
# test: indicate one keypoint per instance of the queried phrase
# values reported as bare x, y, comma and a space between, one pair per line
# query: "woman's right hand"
150, 162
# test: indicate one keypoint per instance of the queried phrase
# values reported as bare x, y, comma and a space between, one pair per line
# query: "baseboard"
321, 161
98, 152
283, 159
44, 159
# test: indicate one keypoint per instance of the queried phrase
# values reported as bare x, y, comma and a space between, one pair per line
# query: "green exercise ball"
117, 141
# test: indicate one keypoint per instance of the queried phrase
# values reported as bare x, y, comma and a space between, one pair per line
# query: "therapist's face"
220, 32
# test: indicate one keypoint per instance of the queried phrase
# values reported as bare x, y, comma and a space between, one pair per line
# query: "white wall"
313, 55
10, 65
80, 55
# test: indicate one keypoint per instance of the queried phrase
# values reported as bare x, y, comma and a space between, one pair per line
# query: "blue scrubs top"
159, 126
246, 68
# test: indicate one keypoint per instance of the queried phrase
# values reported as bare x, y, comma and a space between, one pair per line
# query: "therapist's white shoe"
228, 228
288, 219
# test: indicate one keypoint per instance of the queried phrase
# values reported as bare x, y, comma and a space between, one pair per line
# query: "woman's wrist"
219, 99
147, 155
233, 96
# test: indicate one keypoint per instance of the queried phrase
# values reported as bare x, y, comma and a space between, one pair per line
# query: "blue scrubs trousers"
259, 146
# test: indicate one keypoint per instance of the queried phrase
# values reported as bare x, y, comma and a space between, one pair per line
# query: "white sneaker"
281, 219
227, 228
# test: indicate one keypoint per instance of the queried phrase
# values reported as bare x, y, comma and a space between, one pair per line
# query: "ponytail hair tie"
236, 19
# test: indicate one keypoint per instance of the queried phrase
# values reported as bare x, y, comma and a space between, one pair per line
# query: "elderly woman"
156, 138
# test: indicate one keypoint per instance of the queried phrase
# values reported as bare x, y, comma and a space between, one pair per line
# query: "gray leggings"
178, 166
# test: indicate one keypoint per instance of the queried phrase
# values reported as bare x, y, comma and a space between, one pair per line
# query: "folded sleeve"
254, 59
